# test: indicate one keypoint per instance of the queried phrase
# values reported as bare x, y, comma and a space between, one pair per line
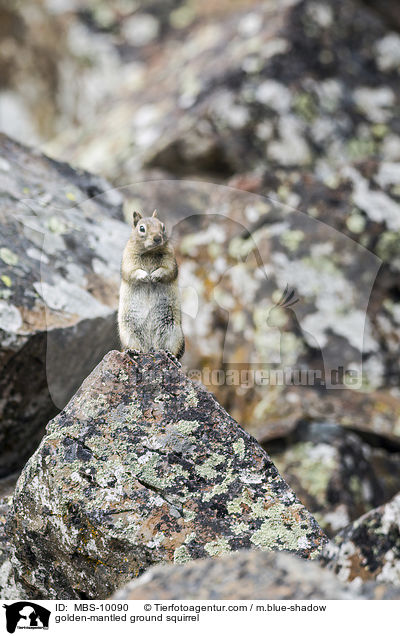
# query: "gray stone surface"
144, 466
248, 575
61, 235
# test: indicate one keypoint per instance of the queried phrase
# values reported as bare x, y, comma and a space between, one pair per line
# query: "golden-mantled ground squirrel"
149, 315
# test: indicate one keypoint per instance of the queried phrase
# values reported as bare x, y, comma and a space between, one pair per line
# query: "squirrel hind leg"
174, 342
133, 352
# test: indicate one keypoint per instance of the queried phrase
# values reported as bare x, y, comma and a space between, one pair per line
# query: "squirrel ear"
136, 218
154, 213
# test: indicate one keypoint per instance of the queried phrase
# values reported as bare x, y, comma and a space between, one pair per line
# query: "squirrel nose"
157, 239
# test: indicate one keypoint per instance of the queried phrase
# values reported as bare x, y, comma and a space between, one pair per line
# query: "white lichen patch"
388, 52
71, 299
10, 317
356, 223
292, 148
291, 239
375, 103
376, 204
275, 95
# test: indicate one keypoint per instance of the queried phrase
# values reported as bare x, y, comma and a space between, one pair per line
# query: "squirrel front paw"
133, 352
156, 276
142, 275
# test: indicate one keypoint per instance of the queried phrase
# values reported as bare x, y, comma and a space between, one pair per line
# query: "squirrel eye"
142, 229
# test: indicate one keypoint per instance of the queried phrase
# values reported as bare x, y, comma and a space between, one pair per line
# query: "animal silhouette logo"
286, 301
26, 615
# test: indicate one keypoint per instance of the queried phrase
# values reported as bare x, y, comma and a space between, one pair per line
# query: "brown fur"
149, 315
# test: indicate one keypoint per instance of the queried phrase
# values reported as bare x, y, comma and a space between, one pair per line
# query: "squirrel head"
149, 232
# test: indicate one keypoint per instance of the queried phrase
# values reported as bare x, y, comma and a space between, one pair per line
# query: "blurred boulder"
144, 466
61, 236
248, 575
369, 548
59, 61
335, 473
302, 83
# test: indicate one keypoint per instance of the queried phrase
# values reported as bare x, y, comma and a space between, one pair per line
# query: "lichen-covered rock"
335, 473
8, 588
144, 466
61, 236
5, 502
368, 549
248, 575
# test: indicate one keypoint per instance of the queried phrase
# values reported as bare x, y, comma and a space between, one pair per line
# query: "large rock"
144, 466
61, 236
368, 549
248, 575
8, 589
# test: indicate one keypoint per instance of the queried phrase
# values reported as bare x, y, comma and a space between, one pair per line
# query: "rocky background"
268, 136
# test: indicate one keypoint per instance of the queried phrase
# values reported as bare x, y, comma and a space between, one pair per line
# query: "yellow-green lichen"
182, 555
292, 239
258, 507
239, 447
8, 257
304, 105
6, 280
186, 427
239, 528
148, 474
207, 468
189, 515
315, 464
356, 223
134, 412
191, 398
222, 487
281, 529
215, 548
56, 225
